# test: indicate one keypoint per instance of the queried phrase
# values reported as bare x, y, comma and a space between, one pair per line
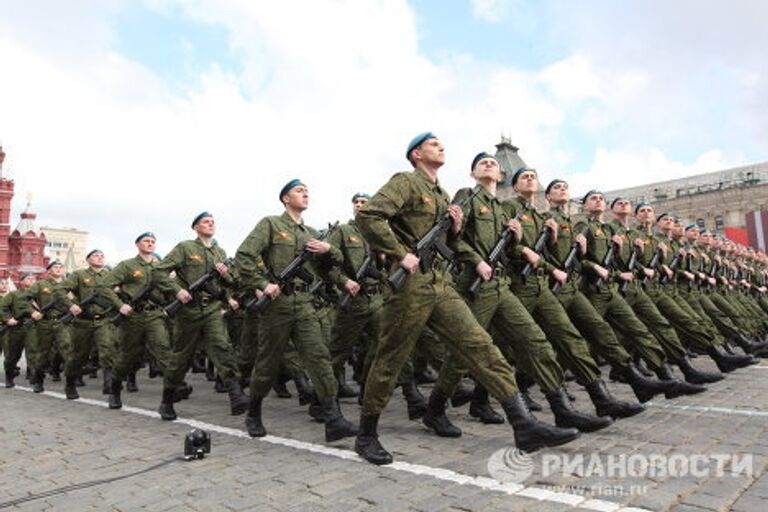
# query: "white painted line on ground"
446, 475
706, 408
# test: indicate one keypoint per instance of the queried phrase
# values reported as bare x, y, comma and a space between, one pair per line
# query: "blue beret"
640, 205
92, 252
416, 142
145, 235
592, 193
288, 186
53, 264
552, 184
479, 157
519, 172
613, 203
360, 195
200, 216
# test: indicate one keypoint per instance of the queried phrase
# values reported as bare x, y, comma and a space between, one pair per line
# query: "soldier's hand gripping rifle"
139, 297
570, 259
94, 298
498, 253
631, 264
541, 241
291, 271
54, 304
202, 283
366, 269
672, 266
428, 243
655, 263
606, 264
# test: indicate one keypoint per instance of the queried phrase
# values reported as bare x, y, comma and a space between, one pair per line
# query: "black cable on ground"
84, 485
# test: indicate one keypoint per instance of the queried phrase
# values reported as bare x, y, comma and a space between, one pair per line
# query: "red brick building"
23, 249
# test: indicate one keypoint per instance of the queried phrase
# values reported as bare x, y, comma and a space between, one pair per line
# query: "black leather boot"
435, 418
130, 385
280, 389
607, 405
417, 404
566, 417
367, 443
106, 386
304, 388
166, 405
726, 362
219, 385
694, 375
253, 422
70, 388
345, 390
644, 388
679, 387
530, 433
336, 425
39, 379
480, 407
530, 403
115, 400
181, 392
238, 401
462, 395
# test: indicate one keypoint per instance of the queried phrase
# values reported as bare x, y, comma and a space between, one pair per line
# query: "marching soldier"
273, 244
91, 327
199, 324
52, 336
392, 222
143, 328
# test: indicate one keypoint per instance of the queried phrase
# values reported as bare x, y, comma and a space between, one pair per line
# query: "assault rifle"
291, 271
366, 269
430, 242
541, 241
498, 253
570, 259
139, 297
203, 282
94, 298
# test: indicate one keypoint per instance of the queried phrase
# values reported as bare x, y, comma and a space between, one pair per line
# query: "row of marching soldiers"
473, 288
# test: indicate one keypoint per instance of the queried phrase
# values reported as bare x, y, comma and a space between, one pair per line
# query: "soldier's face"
96, 260
665, 223
595, 203
206, 227
146, 245
621, 207
487, 168
297, 198
430, 152
357, 204
645, 214
559, 193
527, 182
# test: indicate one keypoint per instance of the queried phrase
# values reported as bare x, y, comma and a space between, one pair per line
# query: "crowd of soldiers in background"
638, 292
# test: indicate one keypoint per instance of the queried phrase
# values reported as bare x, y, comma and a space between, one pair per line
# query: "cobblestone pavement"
48, 443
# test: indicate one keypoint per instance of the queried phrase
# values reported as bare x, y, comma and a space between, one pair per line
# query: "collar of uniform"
527, 205
424, 176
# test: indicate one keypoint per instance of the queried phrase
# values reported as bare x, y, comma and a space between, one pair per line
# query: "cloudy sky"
123, 116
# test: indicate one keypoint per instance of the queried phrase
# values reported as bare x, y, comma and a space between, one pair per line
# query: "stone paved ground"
47, 443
